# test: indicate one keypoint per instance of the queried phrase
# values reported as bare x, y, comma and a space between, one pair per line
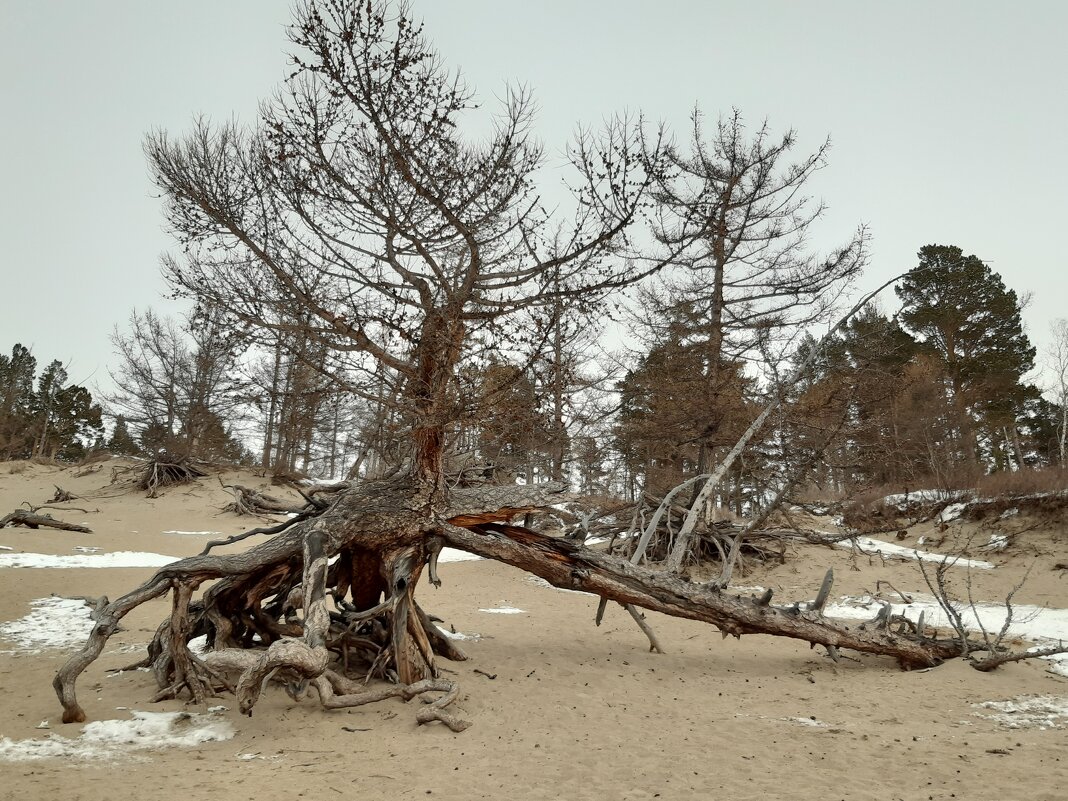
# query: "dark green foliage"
122, 442
971, 322
55, 420
16, 399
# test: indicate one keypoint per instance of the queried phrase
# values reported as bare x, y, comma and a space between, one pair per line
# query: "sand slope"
575, 711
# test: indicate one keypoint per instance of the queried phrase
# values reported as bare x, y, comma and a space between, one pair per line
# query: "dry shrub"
16, 468
288, 478
94, 457
1029, 481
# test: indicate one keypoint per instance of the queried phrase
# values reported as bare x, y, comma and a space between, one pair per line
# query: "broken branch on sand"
22, 517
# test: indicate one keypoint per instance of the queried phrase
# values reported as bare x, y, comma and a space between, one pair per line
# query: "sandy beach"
560, 708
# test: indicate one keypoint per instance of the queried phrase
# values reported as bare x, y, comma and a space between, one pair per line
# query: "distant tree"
962, 311
122, 442
178, 386
872, 359
1057, 359
49, 384
514, 431
77, 423
52, 420
734, 213
671, 414
17, 374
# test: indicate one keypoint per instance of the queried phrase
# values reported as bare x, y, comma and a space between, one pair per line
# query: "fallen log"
22, 517
377, 538
248, 501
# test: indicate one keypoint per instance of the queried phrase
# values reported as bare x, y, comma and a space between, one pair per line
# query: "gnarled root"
336, 692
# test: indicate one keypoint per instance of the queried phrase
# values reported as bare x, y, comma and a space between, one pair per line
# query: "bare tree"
1057, 359
359, 202
177, 385
735, 215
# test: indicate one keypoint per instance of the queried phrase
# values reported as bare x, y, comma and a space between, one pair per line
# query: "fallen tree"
384, 534
359, 209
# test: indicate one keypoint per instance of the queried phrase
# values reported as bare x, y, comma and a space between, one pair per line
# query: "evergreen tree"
971, 321
514, 430
122, 442
77, 423
49, 385
16, 402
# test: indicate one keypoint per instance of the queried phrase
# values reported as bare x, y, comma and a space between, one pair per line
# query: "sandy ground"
575, 711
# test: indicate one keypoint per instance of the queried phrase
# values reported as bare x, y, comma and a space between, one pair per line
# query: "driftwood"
267, 609
248, 501
61, 495
22, 517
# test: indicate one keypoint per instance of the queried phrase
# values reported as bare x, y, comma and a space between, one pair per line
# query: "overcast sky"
948, 122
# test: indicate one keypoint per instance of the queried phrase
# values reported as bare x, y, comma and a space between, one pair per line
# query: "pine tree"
971, 321
122, 442
16, 401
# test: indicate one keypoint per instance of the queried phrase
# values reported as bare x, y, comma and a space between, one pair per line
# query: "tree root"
158, 473
248, 501
266, 614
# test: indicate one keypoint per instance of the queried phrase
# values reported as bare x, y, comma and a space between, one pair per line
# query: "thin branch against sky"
945, 119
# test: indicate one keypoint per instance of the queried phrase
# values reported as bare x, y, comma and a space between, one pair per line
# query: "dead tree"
22, 517
359, 202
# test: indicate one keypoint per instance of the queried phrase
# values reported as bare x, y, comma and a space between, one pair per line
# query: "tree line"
936, 393
408, 282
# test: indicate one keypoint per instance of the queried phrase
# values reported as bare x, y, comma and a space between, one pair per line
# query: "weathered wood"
576, 568
383, 534
248, 501
21, 517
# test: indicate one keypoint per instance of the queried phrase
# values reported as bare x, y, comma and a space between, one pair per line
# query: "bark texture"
287, 610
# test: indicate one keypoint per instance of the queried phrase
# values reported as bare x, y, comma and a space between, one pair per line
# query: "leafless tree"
1057, 359
177, 384
735, 214
359, 202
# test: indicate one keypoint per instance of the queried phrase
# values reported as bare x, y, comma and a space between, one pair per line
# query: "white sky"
948, 122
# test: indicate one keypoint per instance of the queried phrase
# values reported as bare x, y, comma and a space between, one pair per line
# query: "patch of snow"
6, 548
1009, 513
114, 739
504, 610
1027, 712
812, 722
86, 549
998, 542
194, 533
459, 635
871, 545
902, 500
115, 559
1039, 624
59, 623
952, 512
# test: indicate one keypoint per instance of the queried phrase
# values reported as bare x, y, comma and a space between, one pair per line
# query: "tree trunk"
384, 533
